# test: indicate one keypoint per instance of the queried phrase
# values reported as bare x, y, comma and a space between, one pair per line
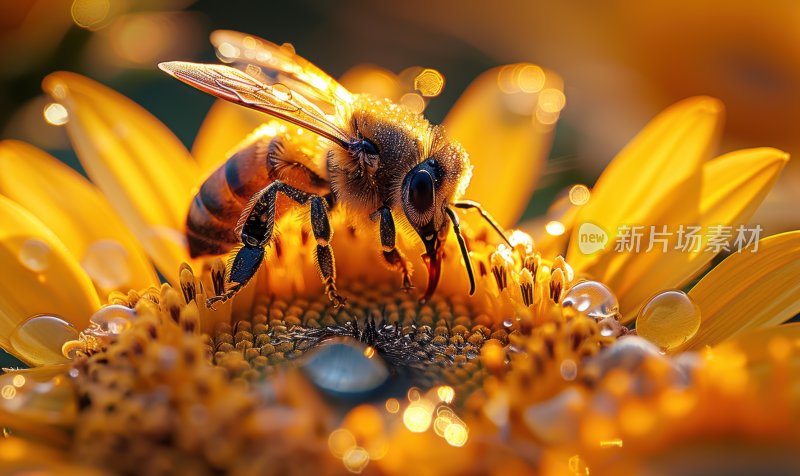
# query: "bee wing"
281, 61
276, 100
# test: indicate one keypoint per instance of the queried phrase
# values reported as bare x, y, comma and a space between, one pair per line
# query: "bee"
379, 161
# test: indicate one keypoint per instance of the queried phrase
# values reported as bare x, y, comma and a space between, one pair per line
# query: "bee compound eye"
420, 191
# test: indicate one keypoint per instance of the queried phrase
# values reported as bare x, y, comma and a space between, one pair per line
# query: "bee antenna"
463, 245
469, 204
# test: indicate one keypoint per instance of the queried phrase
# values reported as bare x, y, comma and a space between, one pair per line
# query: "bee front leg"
392, 256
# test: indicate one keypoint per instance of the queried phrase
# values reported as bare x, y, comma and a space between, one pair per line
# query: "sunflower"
276, 380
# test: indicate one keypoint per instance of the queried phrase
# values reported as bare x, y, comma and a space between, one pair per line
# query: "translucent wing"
277, 99
281, 62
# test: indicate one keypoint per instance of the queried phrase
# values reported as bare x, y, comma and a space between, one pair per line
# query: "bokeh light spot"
90, 14
555, 228
56, 114
429, 82
579, 194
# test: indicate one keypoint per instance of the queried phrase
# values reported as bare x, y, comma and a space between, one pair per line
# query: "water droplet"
106, 262
637, 357
341, 367
590, 299
281, 91
39, 339
111, 320
569, 369
669, 319
508, 323
35, 255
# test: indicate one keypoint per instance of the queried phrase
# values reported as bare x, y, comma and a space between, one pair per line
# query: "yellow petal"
749, 290
771, 356
40, 276
141, 167
733, 186
79, 214
763, 345
224, 127
656, 174
499, 120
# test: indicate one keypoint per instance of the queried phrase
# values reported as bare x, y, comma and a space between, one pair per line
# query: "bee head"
424, 203
427, 192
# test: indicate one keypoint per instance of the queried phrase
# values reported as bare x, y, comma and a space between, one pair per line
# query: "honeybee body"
211, 225
374, 158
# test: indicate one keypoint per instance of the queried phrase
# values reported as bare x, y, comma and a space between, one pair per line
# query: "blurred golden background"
622, 61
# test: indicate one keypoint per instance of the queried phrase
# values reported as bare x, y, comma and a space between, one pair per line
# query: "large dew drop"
35, 255
669, 319
590, 299
346, 367
39, 339
106, 262
112, 320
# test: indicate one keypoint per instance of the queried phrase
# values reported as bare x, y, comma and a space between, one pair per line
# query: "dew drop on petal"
34, 254
281, 91
106, 262
508, 323
39, 339
113, 319
669, 319
590, 299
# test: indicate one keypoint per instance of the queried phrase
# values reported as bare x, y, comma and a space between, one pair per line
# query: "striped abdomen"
217, 207
215, 210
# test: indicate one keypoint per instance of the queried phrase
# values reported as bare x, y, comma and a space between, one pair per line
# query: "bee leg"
326, 265
258, 224
391, 255
467, 204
